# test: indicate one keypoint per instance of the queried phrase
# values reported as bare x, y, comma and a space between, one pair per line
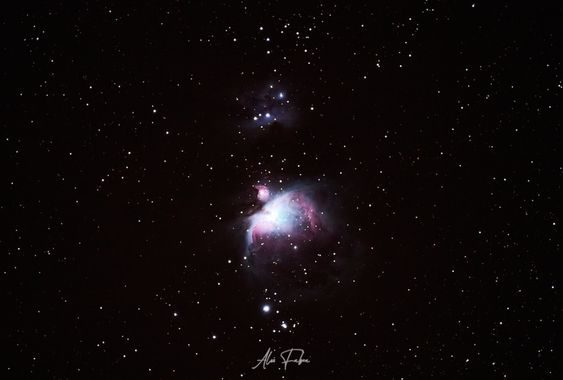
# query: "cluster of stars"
270, 107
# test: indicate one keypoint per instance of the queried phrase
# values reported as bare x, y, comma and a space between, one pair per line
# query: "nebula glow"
263, 193
285, 220
295, 244
267, 106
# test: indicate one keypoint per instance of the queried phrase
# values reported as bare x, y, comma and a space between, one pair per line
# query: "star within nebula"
268, 106
285, 222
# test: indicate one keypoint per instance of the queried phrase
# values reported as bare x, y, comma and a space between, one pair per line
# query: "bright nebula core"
285, 222
294, 243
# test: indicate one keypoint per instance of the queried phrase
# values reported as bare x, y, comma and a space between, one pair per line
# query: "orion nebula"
294, 245
284, 223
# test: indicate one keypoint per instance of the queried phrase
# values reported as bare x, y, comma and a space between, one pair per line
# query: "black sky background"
444, 169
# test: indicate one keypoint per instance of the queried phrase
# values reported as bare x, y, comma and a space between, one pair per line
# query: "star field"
189, 184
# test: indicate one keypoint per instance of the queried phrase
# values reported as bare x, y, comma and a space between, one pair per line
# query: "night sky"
187, 184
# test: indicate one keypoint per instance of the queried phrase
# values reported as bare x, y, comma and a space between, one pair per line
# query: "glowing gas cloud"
285, 220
